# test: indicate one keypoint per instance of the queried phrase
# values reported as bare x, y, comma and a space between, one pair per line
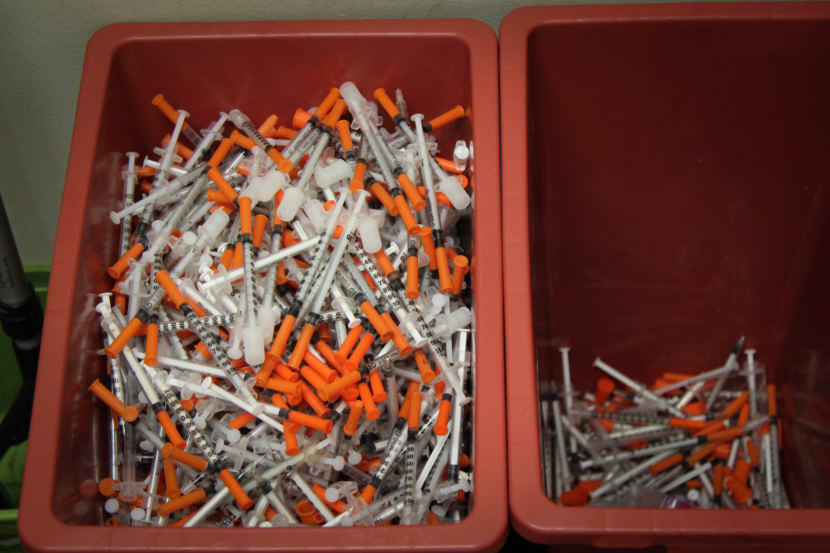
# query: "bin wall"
675, 184
260, 68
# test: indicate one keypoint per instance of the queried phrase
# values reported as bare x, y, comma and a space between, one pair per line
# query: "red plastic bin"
261, 67
666, 182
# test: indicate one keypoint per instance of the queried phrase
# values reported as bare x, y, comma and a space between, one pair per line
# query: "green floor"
11, 465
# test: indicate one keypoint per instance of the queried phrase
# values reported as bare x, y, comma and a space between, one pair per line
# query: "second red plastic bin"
665, 190
260, 67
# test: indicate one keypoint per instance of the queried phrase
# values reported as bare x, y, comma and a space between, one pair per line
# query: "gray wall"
41, 55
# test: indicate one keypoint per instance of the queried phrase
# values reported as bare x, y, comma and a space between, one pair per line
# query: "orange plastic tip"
404, 347
461, 266
286, 373
179, 503
327, 353
736, 404
377, 322
413, 418
386, 102
359, 352
447, 117
106, 487
695, 408
311, 421
300, 348
163, 278
291, 445
772, 403
171, 483
223, 185
605, 387
376, 383
711, 427
264, 372
338, 385
441, 427
345, 133
169, 451
384, 262
313, 401
700, 453
117, 269
429, 246
740, 493
689, 424
170, 430
383, 196
282, 385
335, 113
372, 411
188, 403
574, 498
268, 125
406, 214
724, 435
359, 174
245, 215
241, 140
743, 415
694, 484
260, 222
721, 451
356, 410
412, 291
427, 374
151, 345
311, 376
283, 164
242, 420
236, 490
285, 132
326, 373
368, 493
433, 519
666, 463
130, 330
221, 151
327, 103
741, 470
348, 343
281, 339
443, 270
126, 412
418, 202
164, 106
301, 117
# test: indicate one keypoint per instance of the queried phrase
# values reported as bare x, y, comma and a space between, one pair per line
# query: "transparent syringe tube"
358, 105
638, 388
206, 141
129, 191
163, 193
263, 262
426, 171
170, 151
337, 254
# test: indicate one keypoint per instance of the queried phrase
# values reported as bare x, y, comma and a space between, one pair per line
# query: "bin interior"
678, 199
259, 74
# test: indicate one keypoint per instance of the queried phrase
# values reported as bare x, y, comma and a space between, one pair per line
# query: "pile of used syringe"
709, 440
289, 335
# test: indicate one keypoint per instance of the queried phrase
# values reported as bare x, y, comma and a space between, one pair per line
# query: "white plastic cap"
452, 188
369, 235
456, 320
266, 320
316, 213
354, 457
253, 345
292, 201
262, 189
329, 175
214, 224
